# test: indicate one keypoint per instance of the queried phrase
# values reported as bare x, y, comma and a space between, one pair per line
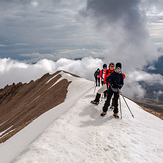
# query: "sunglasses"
118, 68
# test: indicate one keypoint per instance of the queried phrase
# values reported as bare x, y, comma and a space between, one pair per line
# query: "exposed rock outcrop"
22, 103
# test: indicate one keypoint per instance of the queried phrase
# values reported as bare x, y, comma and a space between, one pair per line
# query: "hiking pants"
97, 80
101, 90
107, 102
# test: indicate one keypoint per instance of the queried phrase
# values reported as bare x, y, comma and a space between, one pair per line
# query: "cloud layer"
14, 71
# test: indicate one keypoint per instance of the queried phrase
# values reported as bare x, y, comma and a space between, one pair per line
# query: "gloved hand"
114, 85
119, 86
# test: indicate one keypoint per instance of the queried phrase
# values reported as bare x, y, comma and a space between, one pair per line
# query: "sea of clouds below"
12, 71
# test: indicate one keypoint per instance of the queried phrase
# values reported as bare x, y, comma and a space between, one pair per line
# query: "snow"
76, 133
5, 131
35, 99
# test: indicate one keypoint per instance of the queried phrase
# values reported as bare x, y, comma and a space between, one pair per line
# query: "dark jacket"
115, 80
96, 74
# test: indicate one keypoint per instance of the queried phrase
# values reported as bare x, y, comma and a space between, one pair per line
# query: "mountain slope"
81, 135
78, 134
20, 141
22, 103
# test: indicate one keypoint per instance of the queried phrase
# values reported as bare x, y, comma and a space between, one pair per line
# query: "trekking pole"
126, 103
120, 105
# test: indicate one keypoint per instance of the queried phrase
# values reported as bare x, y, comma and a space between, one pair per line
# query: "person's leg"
97, 98
98, 79
98, 95
116, 97
107, 102
105, 93
112, 103
102, 82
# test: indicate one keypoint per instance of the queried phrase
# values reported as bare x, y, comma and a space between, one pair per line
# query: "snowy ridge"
81, 135
16, 144
78, 133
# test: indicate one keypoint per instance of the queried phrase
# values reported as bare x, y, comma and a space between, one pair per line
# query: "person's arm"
105, 77
120, 85
95, 74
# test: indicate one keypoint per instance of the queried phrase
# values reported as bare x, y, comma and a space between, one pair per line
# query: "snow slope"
79, 134
19, 142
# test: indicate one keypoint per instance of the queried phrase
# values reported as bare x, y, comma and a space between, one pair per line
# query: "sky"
110, 30
74, 131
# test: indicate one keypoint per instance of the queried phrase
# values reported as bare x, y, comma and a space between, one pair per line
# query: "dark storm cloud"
124, 14
125, 25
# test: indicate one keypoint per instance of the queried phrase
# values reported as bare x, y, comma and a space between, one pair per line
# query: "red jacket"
101, 74
108, 72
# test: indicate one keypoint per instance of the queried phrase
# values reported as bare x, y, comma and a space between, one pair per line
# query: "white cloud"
151, 68
14, 71
65, 53
158, 94
21, 44
144, 76
2, 45
133, 88
34, 4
